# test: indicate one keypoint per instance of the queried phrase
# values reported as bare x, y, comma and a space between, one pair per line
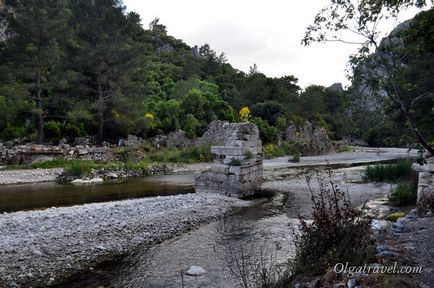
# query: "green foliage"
235, 162
80, 168
192, 154
13, 132
191, 126
405, 193
52, 129
248, 154
281, 123
389, 172
266, 131
285, 149
270, 111
102, 72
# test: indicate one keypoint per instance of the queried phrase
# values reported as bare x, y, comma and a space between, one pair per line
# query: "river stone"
352, 283
88, 181
195, 271
37, 252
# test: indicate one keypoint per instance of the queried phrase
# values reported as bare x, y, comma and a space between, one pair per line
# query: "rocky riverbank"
40, 248
29, 176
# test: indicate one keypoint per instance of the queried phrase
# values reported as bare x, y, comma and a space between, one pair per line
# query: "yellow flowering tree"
149, 117
245, 114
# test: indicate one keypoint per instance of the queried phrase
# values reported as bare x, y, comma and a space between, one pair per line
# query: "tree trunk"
100, 135
39, 112
399, 102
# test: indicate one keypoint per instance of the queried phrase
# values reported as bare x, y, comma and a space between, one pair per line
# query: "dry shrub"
337, 233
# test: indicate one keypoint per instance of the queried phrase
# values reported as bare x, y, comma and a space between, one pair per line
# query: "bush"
52, 130
404, 194
337, 233
266, 131
192, 154
12, 132
389, 172
286, 148
235, 162
80, 168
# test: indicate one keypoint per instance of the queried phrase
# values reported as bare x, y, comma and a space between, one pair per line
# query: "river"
50, 194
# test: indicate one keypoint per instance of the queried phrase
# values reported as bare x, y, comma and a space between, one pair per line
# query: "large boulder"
312, 140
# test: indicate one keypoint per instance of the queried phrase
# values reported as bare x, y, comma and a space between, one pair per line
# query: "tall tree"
108, 55
385, 68
36, 32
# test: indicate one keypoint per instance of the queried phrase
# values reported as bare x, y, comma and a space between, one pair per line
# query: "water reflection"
44, 195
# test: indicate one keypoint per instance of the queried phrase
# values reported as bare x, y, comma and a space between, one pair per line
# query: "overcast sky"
267, 33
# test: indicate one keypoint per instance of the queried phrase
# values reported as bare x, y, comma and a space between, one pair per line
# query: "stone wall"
31, 153
237, 169
425, 190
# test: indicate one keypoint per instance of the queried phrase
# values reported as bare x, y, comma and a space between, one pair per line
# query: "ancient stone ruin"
237, 168
425, 190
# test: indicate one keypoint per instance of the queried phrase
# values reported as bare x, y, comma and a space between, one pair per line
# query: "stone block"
219, 168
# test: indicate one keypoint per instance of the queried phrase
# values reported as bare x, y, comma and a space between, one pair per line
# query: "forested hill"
71, 68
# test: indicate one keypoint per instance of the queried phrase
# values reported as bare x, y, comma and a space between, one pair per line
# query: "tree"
108, 54
156, 26
37, 31
384, 69
269, 110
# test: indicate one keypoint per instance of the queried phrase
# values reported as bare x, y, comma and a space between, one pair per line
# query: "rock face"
312, 140
237, 169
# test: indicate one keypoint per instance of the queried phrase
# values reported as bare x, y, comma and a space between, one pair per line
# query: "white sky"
267, 33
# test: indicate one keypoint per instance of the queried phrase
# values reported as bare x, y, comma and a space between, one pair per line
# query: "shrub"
266, 131
296, 157
244, 114
192, 154
12, 132
235, 162
191, 126
337, 233
248, 154
269, 150
80, 169
52, 129
404, 194
401, 169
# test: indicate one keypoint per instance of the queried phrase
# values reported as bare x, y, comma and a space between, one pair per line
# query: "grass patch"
404, 194
80, 169
392, 172
344, 148
192, 154
285, 149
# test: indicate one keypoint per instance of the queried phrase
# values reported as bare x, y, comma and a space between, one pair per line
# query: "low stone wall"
237, 170
31, 153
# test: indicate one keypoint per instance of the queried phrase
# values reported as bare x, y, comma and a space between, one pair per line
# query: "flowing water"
258, 234
49, 194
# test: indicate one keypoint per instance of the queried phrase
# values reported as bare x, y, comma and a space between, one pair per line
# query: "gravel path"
358, 155
29, 175
39, 248
348, 179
